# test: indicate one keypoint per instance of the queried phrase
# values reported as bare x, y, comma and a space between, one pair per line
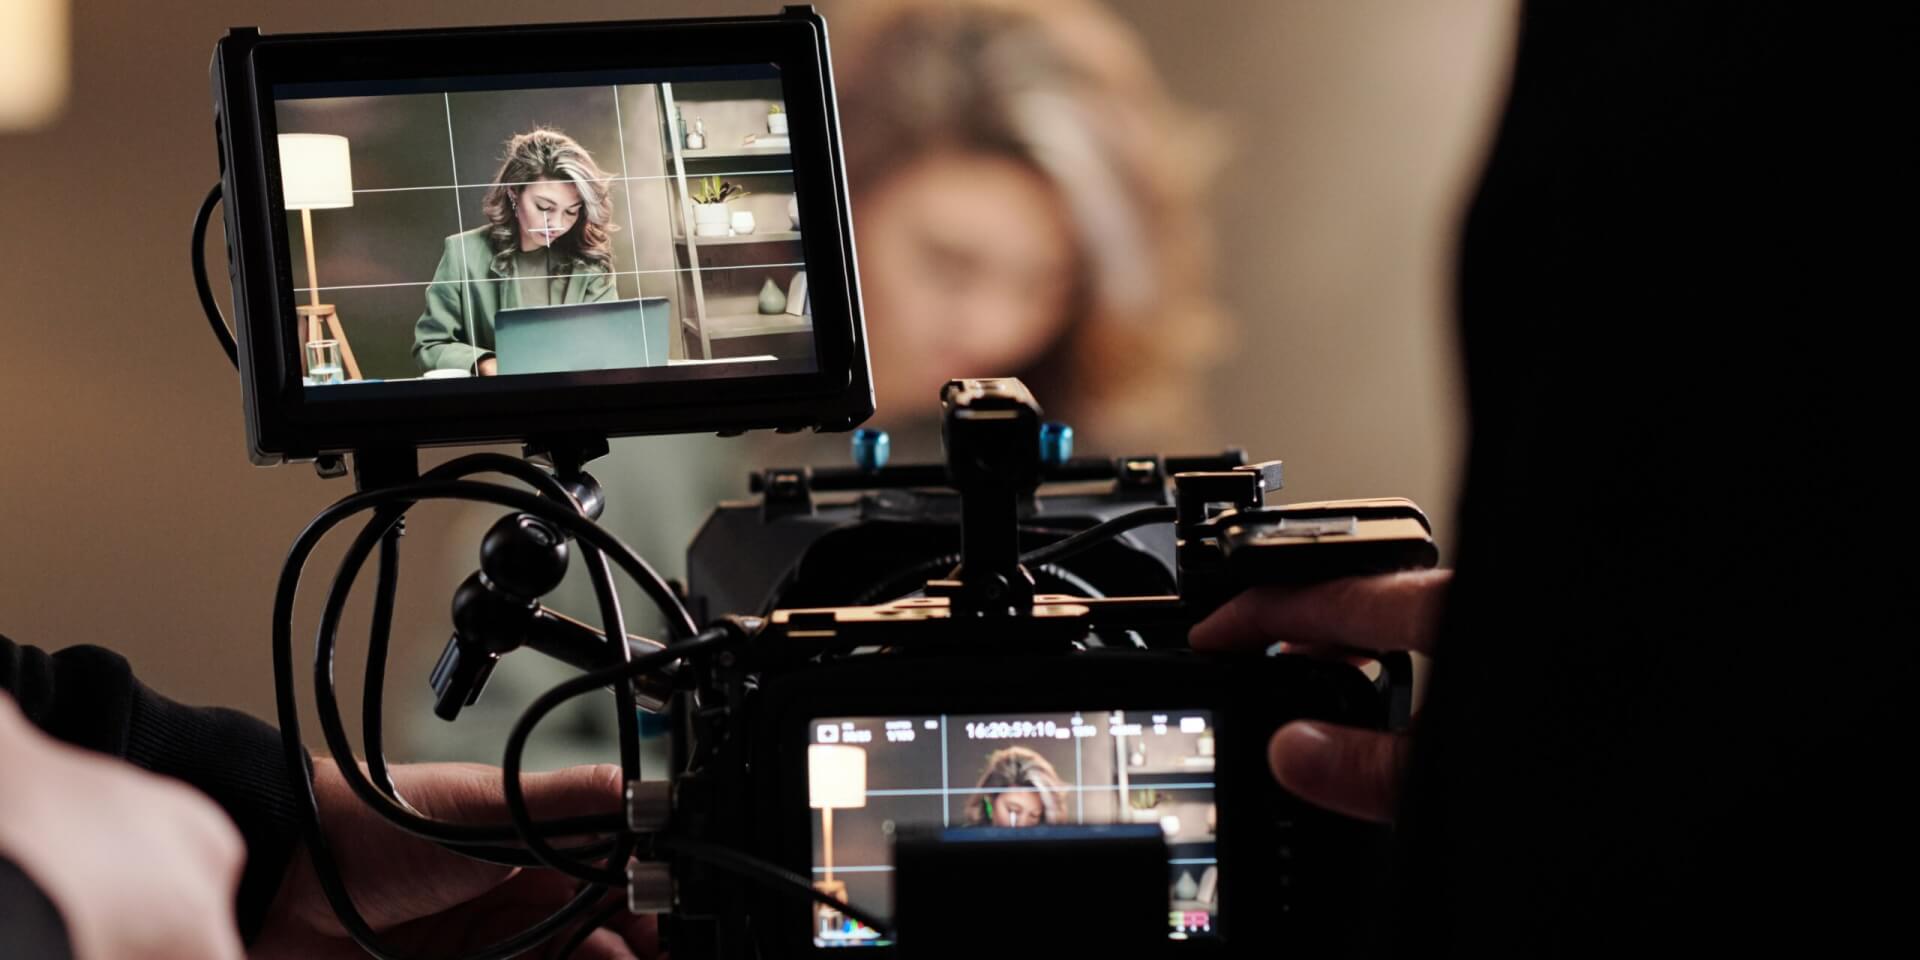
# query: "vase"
772, 298
710, 219
742, 221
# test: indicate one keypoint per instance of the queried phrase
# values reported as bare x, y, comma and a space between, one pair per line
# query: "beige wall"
130, 517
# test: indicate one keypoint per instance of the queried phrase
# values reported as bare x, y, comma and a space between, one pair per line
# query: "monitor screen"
491, 228
868, 776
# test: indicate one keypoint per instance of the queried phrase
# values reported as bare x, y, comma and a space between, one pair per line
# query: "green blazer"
456, 331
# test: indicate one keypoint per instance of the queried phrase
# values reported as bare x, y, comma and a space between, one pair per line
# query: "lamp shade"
315, 173
836, 776
34, 47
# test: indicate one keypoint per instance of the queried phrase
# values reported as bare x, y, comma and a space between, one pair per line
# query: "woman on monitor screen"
1019, 788
546, 241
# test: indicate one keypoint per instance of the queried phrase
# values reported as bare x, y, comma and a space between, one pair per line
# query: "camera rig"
721, 849
975, 672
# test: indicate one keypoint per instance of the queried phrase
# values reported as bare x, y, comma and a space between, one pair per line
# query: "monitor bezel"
288, 421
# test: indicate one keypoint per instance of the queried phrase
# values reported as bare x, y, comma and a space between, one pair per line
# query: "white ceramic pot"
742, 221
777, 124
710, 219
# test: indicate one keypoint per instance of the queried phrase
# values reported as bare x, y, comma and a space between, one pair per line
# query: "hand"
1350, 771
140, 866
422, 897
489, 366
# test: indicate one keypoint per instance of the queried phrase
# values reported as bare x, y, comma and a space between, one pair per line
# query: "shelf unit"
773, 236
730, 326
723, 296
736, 153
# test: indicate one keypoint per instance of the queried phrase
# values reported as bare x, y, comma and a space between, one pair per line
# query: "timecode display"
1013, 730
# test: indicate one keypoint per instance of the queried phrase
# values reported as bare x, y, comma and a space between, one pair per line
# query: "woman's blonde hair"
1064, 88
1018, 768
547, 154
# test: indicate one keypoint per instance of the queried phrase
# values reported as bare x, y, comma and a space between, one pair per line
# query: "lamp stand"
319, 315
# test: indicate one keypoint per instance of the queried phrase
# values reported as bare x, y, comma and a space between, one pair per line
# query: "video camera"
924, 710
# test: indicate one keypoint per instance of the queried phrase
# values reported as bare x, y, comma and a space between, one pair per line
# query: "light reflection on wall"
34, 52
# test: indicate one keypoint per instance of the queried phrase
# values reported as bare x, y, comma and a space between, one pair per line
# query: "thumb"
407, 878
1343, 769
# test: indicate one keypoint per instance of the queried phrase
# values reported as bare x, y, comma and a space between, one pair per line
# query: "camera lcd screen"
868, 776
498, 228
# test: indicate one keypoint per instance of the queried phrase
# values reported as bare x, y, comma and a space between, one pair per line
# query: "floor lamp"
317, 174
836, 780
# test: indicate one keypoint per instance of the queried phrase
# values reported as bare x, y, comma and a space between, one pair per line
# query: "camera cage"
285, 421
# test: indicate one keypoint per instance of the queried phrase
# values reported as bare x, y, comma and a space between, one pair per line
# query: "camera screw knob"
649, 887
871, 449
649, 805
524, 555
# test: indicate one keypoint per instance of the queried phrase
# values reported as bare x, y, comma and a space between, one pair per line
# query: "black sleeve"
87, 696
30, 926
1666, 707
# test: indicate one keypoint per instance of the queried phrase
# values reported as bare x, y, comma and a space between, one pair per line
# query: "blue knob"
871, 448
1056, 443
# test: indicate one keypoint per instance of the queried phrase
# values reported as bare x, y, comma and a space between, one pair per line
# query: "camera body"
921, 688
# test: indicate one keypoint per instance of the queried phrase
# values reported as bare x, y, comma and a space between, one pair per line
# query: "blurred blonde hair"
1065, 88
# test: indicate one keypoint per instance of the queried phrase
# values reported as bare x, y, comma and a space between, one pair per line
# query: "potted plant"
776, 120
710, 197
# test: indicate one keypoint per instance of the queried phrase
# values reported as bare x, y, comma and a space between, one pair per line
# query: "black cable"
613, 620
680, 622
588, 926
326, 868
545, 703
200, 282
1097, 534
767, 874
900, 585
373, 693
334, 729
462, 838
327, 706
629, 727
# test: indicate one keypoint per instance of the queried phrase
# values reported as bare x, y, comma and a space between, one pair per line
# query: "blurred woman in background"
1028, 202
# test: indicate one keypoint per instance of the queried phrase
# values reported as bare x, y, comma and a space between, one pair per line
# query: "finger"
473, 793
604, 944
639, 931
1349, 771
1396, 611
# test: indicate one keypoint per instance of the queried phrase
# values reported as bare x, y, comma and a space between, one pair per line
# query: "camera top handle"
991, 430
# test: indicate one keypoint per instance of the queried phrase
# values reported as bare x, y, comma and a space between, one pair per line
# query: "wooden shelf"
730, 326
1173, 773
735, 153
770, 236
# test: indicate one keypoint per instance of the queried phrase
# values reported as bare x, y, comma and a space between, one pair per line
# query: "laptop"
606, 335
